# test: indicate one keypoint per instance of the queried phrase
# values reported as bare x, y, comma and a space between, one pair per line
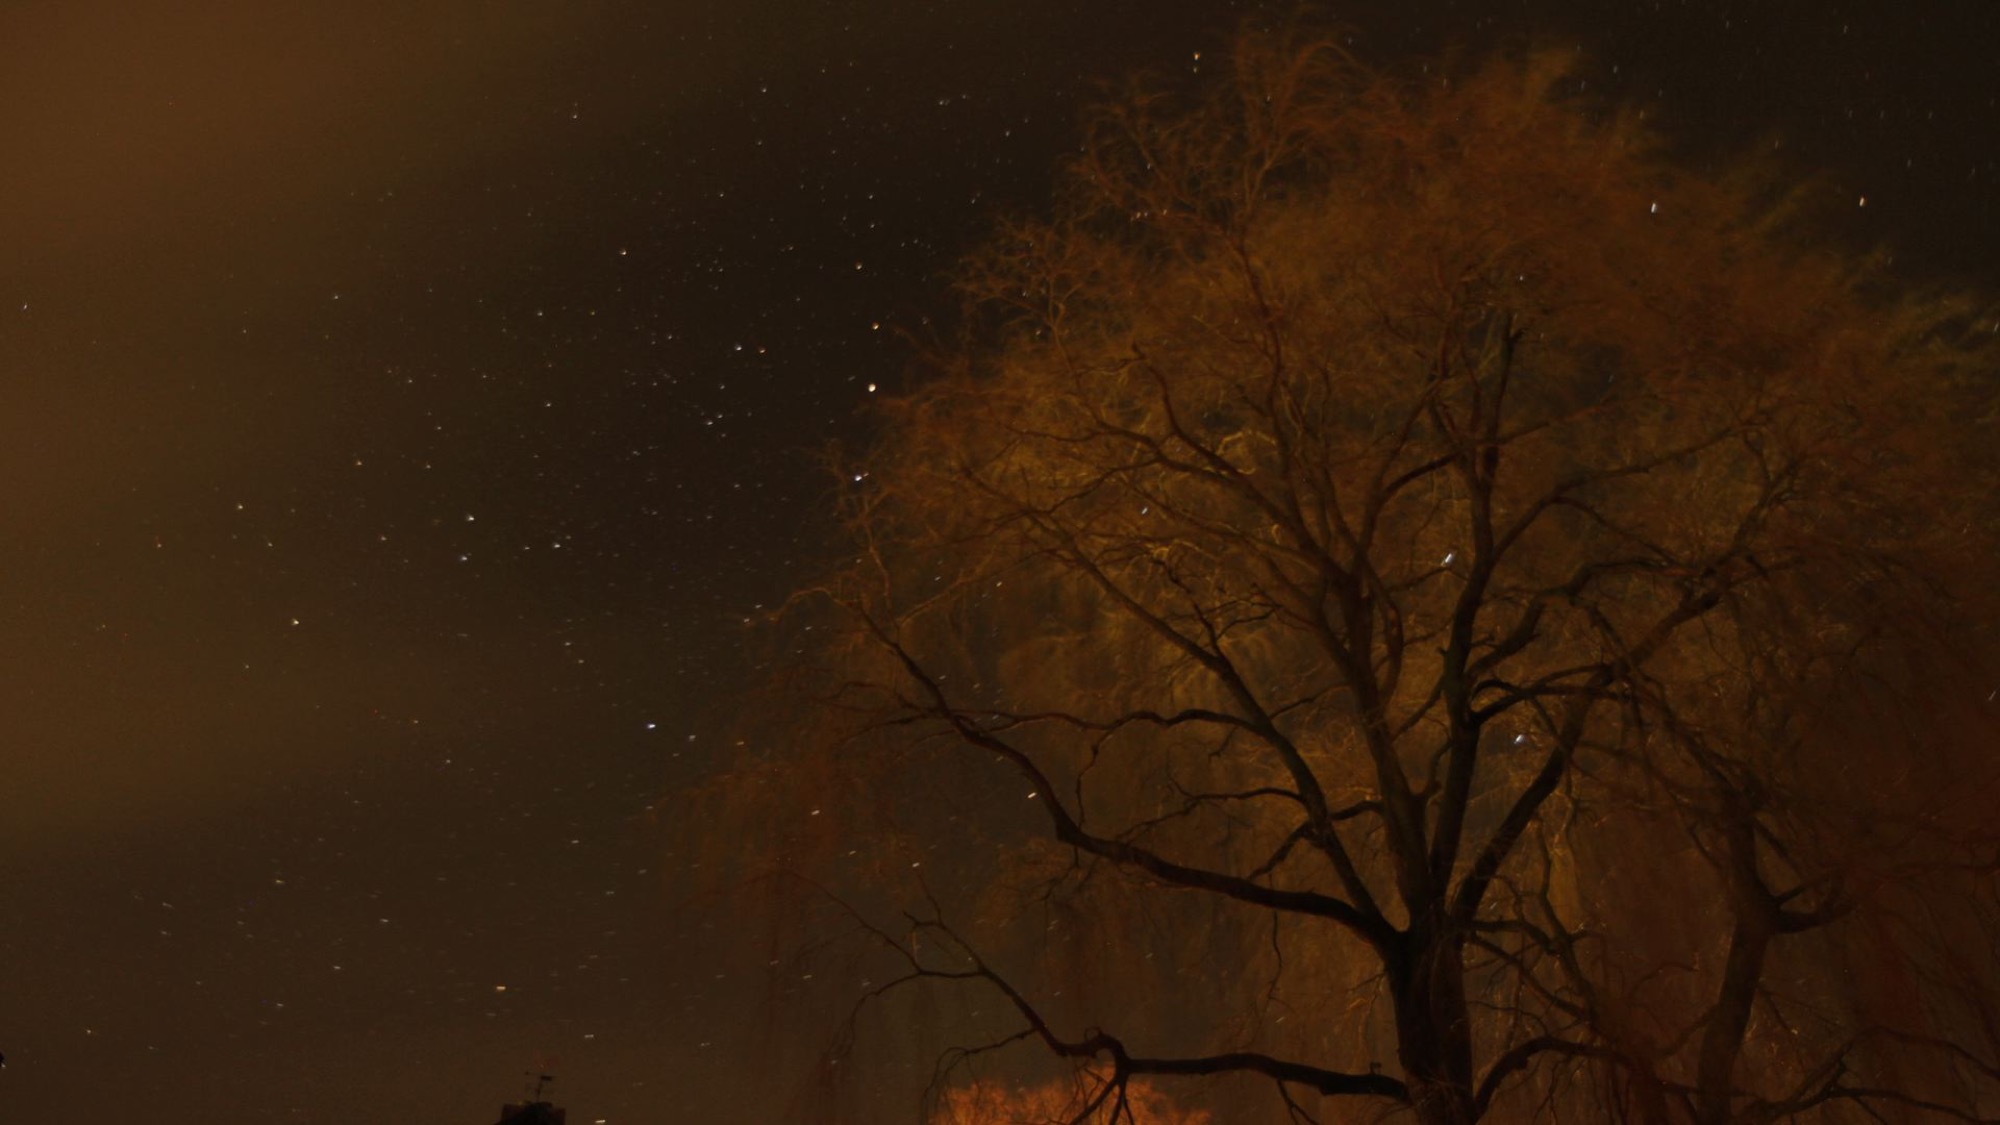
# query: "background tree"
1091, 1099
1412, 598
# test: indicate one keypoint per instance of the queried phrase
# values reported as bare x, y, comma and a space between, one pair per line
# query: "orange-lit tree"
1436, 611
1091, 1098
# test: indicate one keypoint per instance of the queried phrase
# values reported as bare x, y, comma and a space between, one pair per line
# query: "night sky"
403, 403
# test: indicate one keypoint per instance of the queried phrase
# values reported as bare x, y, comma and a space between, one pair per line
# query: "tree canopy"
1411, 599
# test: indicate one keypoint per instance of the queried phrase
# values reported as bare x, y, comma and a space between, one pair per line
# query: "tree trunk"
1757, 924
1433, 1028
1722, 1040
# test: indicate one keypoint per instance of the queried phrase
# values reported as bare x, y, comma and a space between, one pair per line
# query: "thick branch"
1125, 1064
1371, 928
1522, 1055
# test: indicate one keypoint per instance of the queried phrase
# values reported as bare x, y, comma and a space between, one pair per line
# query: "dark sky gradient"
402, 403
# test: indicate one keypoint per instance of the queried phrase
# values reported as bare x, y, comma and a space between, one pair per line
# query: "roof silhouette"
531, 1113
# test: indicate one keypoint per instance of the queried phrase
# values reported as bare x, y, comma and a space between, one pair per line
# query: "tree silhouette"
1409, 598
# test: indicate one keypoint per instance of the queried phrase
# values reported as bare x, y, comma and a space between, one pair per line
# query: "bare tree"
1483, 605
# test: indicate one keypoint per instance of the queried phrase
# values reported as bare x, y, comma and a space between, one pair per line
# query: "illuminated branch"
1067, 830
1522, 1055
1100, 1045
